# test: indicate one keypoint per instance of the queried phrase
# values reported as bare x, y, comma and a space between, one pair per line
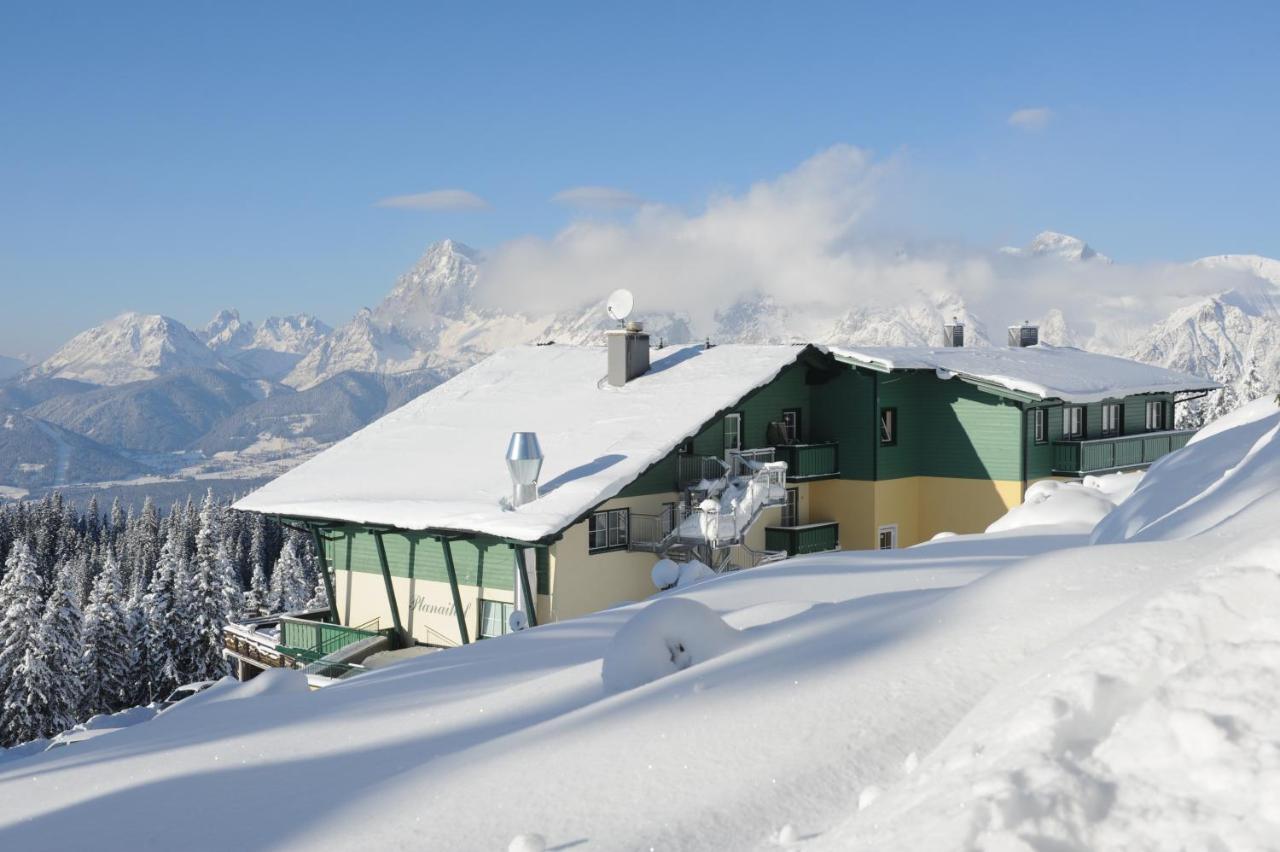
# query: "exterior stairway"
714, 516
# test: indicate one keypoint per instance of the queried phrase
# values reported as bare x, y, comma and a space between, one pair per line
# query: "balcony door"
732, 434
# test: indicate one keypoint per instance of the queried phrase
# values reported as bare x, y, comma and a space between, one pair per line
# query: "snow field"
1016, 690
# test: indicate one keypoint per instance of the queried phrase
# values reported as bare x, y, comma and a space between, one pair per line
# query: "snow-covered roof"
1043, 371
439, 461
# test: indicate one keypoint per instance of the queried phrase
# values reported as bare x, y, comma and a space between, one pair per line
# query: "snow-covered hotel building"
734, 454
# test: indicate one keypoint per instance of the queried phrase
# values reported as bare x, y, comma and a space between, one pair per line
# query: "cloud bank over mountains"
817, 235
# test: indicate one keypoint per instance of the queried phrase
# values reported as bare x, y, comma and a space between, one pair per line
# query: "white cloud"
436, 199
814, 239
1032, 118
598, 197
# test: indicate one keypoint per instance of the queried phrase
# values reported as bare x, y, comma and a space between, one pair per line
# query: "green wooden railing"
312, 640
1080, 457
808, 538
809, 461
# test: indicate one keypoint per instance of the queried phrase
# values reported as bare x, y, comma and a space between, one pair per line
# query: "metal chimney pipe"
524, 462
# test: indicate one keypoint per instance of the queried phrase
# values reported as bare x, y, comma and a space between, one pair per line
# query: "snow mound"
527, 843
1070, 505
1251, 412
271, 682
667, 636
665, 574
1195, 489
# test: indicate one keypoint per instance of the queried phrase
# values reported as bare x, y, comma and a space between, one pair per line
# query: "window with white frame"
1155, 416
888, 537
608, 530
1041, 425
732, 432
791, 509
495, 618
1073, 422
1111, 419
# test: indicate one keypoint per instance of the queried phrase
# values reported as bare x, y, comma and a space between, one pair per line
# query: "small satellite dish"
620, 304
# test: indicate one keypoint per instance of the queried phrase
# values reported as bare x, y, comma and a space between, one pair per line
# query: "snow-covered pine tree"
164, 627
105, 660
23, 607
44, 697
259, 592
289, 587
210, 596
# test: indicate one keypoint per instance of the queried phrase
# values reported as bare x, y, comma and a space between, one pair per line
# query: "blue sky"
178, 158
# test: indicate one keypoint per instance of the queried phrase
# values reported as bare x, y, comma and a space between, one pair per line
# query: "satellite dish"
620, 304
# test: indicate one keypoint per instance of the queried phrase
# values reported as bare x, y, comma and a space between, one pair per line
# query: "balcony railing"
1076, 458
809, 461
806, 538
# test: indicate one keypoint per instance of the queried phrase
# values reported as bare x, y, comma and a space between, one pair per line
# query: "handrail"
1132, 437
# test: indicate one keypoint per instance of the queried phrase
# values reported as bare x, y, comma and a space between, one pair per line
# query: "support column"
531, 603
453, 587
334, 617
391, 590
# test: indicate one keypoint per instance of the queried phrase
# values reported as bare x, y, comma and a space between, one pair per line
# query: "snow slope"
1018, 690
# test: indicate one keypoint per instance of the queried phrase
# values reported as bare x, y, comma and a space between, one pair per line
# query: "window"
608, 530
888, 537
1111, 420
495, 618
686, 447
1155, 416
791, 425
732, 432
888, 426
1041, 425
1073, 422
791, 509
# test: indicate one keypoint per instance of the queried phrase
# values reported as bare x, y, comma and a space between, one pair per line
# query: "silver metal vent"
524, 461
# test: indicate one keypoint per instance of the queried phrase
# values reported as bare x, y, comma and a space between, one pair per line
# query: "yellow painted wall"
920, 506
583, 582
848, 502
426, 606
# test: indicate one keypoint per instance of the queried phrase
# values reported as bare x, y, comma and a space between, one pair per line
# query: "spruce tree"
105, 659
20, 595
44, 698
164, 629
212, 595
289, 587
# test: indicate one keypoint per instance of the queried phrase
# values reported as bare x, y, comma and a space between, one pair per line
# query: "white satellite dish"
620, 304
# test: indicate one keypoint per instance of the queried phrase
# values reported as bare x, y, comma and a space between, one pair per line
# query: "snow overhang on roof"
438, 462
1031, 373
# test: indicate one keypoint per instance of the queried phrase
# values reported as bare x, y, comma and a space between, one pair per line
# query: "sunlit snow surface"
1016, 690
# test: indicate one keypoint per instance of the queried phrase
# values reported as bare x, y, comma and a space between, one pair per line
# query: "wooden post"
391, 591
324, 572
529, 599
453, 587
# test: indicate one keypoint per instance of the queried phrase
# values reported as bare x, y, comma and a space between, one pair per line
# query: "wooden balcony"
806, 538
1076, 458
807, 462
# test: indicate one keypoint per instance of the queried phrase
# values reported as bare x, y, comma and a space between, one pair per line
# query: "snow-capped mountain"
430, 320
268, 351
129, 348
1232, 337
1062, 246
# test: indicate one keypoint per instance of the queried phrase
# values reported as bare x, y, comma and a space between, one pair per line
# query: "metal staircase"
714, 516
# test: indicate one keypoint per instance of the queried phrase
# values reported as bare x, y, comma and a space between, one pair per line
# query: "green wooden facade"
809, 538
1041, 455
480, 561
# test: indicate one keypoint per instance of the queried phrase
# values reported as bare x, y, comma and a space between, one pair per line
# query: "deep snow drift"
1025, 689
